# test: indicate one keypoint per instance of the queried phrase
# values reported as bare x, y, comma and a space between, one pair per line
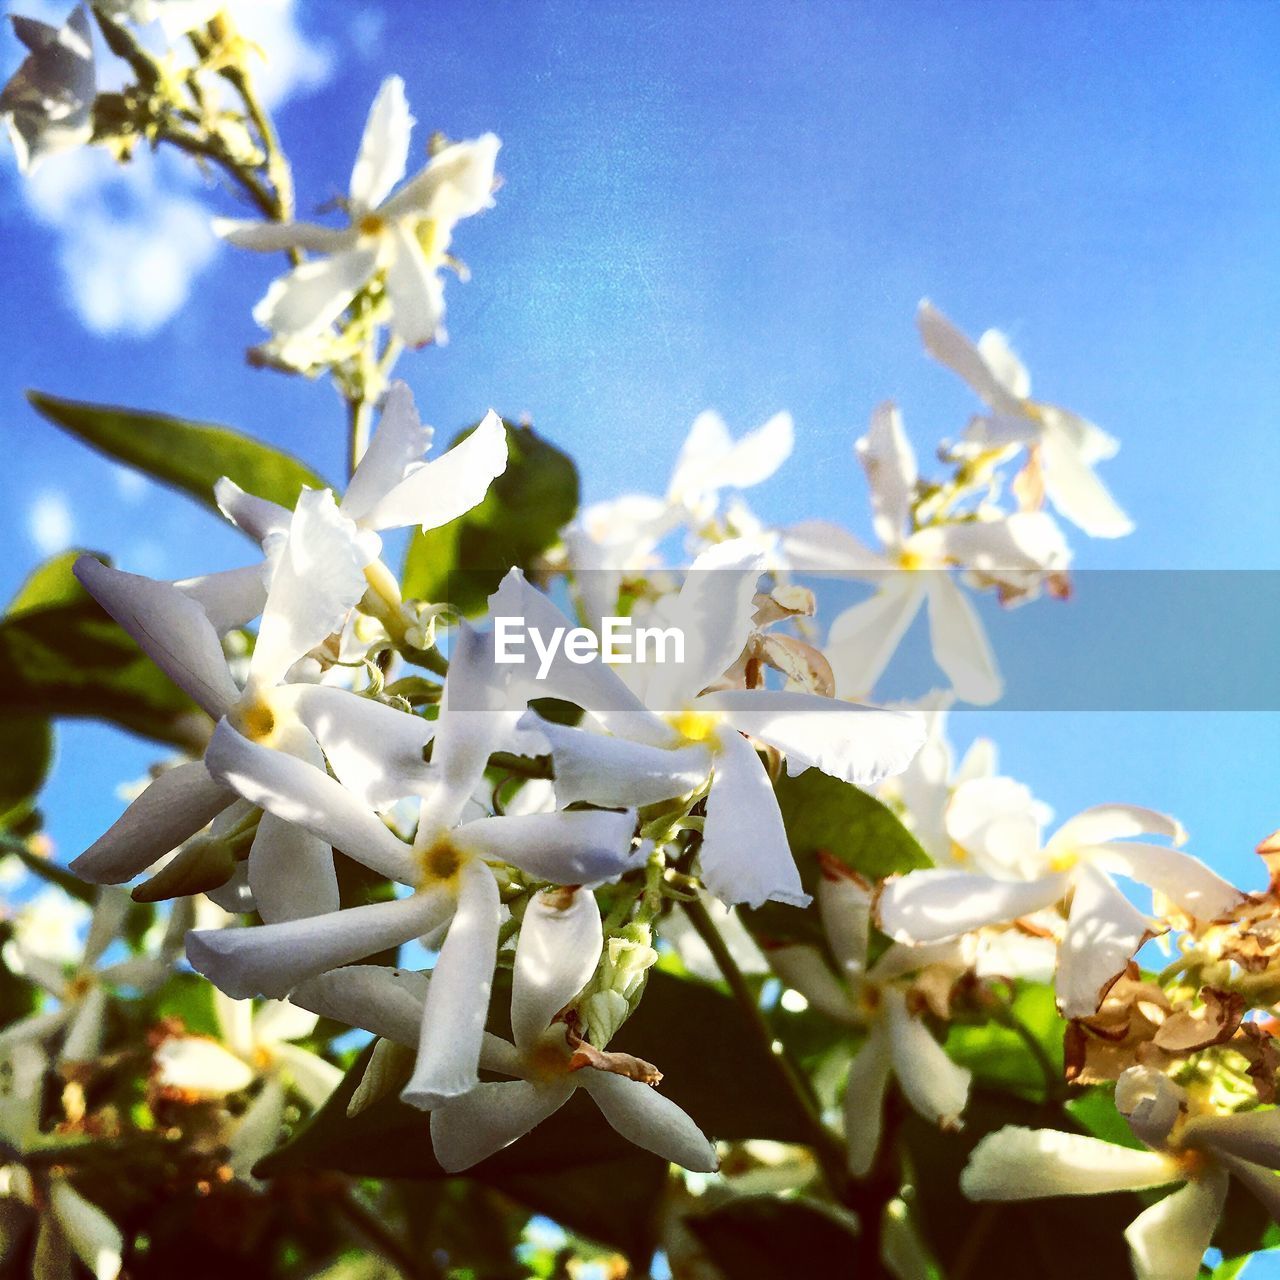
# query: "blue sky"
739, 207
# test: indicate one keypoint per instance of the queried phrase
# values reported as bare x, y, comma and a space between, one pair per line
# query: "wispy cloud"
133, 238
50, 525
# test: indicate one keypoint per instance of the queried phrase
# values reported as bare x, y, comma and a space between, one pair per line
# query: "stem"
386, 1243
359, 418
1055, 1087
967, 1257
827, 1148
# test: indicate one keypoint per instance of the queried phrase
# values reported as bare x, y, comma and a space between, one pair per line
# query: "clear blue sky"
738, 207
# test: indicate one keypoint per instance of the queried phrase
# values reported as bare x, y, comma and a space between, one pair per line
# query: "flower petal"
559, 946
201, 1066
583, 846
936, 903
744, 854
1106, 822
172, 809
291, 872
448, 486
415, 289
231, 598
173, 630
456, 183
845, 907
1027, 1164
806, 970
817, 546
649, 1120
272, 959
864, 1099
85, 1028
380, 999
960, 645
258, 1130
308, 1073
946, 344
466, 1130
1262, 1183
1104, 931
93, 1237
1201, 893
297, 792
1168, 1241
311, 297
1250, 1135
384, 146
279, 1020
890, 463
861, 745
863, 638
1077, 493
397, 445
278, 237
936, 1087
255, 516
452, 1031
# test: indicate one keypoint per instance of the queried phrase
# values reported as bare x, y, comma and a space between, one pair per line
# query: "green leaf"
189, 456
1000, 1057
522, 515
63, 656
764, 1238
26, 755
824, 815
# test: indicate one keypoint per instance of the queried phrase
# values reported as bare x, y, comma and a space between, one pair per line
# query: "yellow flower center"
696, 726
910, 560
549, 1058
429, 238
371, 225
256, 720
1064, 860
440, 862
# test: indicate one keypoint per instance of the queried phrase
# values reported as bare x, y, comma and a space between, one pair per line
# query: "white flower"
559, 947
48, 103
1103, 930
448, 867
402, 238
1066, 446
176, 17
1168, 1240
254, 1048
83, 988
664, 737
914, 570
898, 1044
317, 576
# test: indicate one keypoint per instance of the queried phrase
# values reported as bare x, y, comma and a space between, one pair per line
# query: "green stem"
359, 420
1055, 1087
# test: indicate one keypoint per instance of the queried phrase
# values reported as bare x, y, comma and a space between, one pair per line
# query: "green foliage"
190, 456
824, 815
1001, 1058
764, 1238
520, 518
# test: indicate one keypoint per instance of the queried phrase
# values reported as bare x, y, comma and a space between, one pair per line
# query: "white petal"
277, 237
890, 463
312, 296
1005, 366
557, 952
291, 872
279, 1020
744, 854
936, 1087
172, 629
759, 453
453, 1018
106, 924
200, 1066
935, 904
309, 1074
466, 1130
258, 1130
1077, 492
582, 846
817, 546
83, 1041
806, 970
865, 636
383, 1000
858, 744
960, 645
1250, 1135
700, 458
272, 959
845, 907
1107, 822
1104, 931
1262, 1183
255, 516
997, 822
1200, 892
649, 1120
317, 578
93, 1236
603, 769
946, 344
299, 793
1168, 1241
1027, 541
456, 183
1027, 1164
398, 444
172, 808
447, 486
711, 460
864, 1099
375, 750
415, 289
231, 598
384, 147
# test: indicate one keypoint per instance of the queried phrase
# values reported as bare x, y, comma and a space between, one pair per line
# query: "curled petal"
557, 952
1104, 931
1200, 893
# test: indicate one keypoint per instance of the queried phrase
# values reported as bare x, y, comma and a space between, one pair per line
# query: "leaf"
63, 656
521, 517
189, 456
50, 872
825, 815
999, 1057
26, 755
764, 1238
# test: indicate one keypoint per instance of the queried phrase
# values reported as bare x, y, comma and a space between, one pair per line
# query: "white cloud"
49, 523
133, 238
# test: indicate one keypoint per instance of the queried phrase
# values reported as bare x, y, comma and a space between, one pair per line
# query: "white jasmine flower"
254, 1049
666, 736
317, 576
1067, 447
401, 238
1103, 929
914, 571
448, 867
898, 1043
176, 17
48, 103
1200, 1151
